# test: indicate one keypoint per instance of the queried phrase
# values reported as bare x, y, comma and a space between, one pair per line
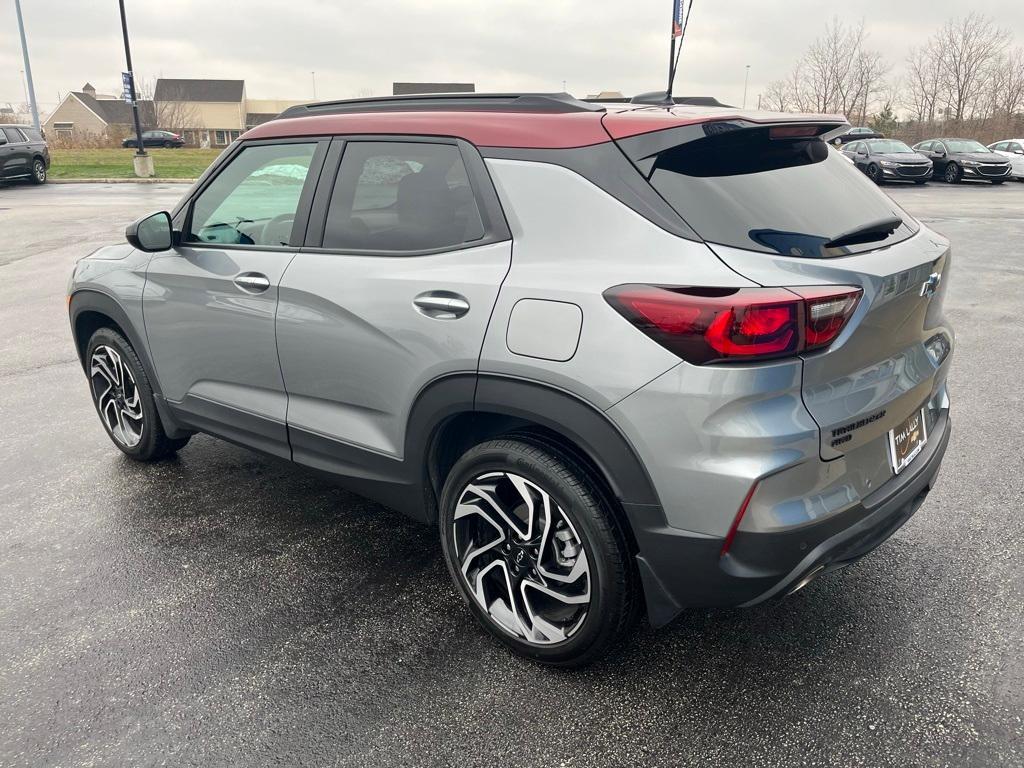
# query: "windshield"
890, 147
966, 145
794, 197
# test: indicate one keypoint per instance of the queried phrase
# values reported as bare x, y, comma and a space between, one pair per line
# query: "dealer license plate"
907, 440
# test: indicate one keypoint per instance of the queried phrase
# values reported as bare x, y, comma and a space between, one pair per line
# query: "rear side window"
401, 197
748, 190
13, 135
253, 200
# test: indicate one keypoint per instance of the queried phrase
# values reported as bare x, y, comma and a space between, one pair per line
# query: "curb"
120, 181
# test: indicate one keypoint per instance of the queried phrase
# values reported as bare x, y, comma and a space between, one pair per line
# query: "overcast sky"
360, 46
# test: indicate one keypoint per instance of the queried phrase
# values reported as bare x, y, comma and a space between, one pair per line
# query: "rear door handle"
441, 305
252, 282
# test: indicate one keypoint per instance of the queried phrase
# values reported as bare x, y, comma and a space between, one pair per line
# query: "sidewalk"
121, 181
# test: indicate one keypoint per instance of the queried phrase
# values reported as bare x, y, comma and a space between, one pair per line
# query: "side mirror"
151, 233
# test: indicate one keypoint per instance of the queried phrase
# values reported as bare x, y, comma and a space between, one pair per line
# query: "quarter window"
402, 197
253, 201
13, 135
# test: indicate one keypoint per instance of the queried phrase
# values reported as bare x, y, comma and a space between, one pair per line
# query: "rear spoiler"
642, 148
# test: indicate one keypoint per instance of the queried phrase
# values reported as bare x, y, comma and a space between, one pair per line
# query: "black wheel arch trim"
87, 300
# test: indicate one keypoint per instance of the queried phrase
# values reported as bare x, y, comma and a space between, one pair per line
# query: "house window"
223, 138
64, 130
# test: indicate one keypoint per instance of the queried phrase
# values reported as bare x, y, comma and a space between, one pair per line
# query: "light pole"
143, 162
746, 79
28, 67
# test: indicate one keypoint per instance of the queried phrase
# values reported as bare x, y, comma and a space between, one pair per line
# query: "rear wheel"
123, 398
38, 171
953, 174
536, 551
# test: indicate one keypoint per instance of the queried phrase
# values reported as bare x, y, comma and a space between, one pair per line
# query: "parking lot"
224, 608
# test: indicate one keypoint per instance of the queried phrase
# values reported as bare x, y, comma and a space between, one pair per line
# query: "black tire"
612, 578
997, 182
875, 174
168, 144
920, 181
38, 175
953, 174
154, 443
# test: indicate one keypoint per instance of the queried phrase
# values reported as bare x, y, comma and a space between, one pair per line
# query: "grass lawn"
117, 163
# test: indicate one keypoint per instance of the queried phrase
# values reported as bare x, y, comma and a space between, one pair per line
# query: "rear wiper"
867, 233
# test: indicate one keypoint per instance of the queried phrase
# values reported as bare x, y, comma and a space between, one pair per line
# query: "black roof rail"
658, 99
488, 102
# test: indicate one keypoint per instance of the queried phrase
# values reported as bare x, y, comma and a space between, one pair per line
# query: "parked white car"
1013, 149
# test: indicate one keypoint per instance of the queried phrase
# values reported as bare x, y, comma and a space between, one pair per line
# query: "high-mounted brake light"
705, 325
793, 131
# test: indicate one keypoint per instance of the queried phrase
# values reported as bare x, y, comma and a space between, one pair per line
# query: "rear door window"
747, 189
13, 135
402, 197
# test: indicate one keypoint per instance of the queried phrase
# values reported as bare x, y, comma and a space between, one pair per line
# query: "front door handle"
252, 282
441, 305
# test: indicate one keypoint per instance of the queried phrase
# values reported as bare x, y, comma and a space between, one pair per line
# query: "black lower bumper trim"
680, 569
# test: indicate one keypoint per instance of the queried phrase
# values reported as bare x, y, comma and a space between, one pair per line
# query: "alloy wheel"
521, 558
952, 174
39, 169
117, 396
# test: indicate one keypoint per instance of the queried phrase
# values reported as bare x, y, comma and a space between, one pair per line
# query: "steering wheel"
277, 230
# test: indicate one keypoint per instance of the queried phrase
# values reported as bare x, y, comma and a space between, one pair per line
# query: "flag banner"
677, 18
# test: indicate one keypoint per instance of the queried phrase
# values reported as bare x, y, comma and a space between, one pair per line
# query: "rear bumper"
680, 569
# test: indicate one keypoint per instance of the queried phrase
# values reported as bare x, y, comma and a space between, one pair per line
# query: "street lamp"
746, 79
143, 162
28, 67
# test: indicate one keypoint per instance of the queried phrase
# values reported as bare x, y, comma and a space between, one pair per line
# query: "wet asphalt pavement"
224, 608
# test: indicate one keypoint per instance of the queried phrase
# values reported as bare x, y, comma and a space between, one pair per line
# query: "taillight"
704, 325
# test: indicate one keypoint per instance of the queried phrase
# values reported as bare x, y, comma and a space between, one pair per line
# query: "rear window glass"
794, 197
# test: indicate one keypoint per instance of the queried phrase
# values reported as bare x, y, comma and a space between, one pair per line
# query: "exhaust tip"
806, 579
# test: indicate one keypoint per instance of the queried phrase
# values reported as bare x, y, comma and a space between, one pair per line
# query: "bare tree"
838, 73
173, 112
778, 96
967, 50
924, 82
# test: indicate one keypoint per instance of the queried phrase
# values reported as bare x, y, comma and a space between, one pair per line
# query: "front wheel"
38, 171
875, 174
123, 398
919, 182
953, 174
537, 552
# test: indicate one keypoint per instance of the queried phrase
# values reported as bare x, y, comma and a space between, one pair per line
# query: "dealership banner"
677, 18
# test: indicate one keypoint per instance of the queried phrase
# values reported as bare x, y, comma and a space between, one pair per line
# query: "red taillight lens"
704, 325
827, 310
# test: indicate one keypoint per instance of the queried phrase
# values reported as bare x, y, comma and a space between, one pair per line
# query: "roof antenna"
680, 20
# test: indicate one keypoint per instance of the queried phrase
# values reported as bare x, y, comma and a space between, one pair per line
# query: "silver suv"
622, 356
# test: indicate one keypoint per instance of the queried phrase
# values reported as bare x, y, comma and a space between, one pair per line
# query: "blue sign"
126, 82
677, 18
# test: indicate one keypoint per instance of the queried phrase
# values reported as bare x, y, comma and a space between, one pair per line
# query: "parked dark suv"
889, 160
156, 139
489, 312
958, 159
23, 154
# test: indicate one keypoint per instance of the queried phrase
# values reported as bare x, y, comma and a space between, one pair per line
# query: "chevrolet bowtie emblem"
929, 286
